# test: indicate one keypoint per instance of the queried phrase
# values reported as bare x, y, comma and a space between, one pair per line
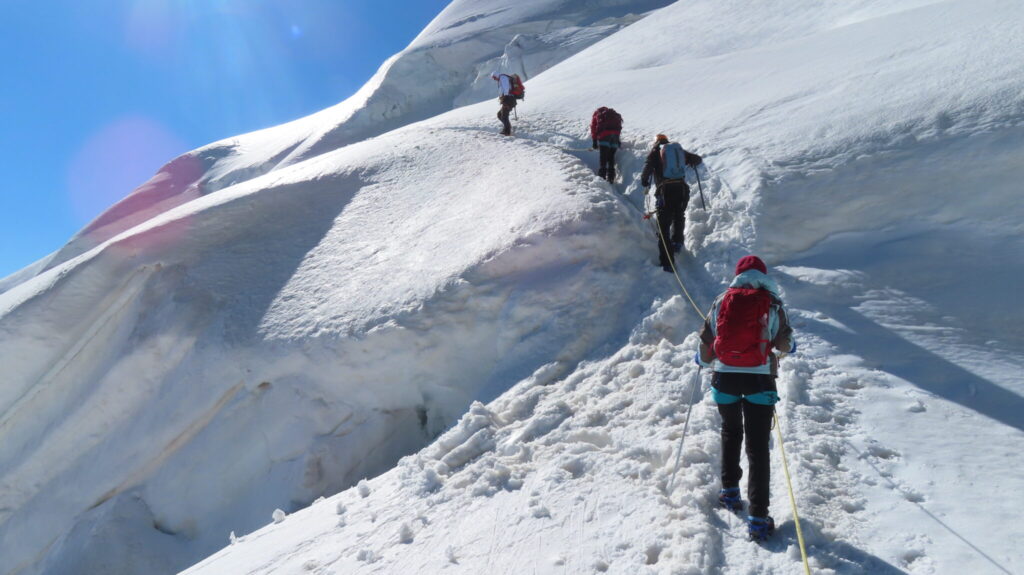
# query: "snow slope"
256, 348
849, 160
448, 64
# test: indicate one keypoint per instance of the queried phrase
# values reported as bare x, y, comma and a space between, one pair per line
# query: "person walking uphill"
510, 89
744, 325
605, 127
667, 163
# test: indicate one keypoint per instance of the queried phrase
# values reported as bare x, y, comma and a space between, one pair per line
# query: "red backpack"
741, 327
605, 122
517, 90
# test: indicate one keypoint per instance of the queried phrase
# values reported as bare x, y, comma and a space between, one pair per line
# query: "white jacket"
504, 84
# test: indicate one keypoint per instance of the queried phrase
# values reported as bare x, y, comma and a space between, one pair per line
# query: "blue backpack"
673, 161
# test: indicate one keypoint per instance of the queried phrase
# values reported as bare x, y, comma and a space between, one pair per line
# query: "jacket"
504, 85
596, 131
778, 331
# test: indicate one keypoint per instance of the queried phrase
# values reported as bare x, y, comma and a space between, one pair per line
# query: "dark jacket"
653, 167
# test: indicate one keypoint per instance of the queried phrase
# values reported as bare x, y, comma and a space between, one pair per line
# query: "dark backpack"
607, 120
517, 90
742, 327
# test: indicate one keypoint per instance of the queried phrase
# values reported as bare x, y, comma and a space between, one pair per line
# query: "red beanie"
750, 263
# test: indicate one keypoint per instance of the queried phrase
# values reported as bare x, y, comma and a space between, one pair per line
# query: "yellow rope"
792, 498
778, 427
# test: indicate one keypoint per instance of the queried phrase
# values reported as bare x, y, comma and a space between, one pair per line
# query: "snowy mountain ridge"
448, 64
284, 333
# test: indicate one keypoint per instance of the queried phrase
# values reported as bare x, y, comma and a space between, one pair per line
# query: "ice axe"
701, 188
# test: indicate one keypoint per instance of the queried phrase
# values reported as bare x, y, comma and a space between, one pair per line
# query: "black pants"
756, 422
507, 103
606, 171
674, 195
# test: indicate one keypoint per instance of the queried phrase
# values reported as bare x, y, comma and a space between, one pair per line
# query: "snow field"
320, 310
471, 314
570, 476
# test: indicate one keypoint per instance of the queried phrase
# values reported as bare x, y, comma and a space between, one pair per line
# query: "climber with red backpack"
510, 90
667, 163
605, 127
745, 324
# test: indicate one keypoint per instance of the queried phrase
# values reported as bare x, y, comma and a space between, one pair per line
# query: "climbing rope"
792, 498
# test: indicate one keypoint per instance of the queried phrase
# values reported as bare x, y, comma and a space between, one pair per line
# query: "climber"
510, 90
744, 325
605, 127
667, 163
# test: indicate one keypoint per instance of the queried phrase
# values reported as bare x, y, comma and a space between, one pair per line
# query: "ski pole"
679, 452
701, 188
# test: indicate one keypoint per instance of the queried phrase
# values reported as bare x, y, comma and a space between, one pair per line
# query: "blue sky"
96, 95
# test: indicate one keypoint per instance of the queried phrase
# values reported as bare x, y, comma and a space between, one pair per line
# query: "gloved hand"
594, 146
645, 183
781, 354
693, 160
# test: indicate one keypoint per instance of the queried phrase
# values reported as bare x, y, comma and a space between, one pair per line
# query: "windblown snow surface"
458, 348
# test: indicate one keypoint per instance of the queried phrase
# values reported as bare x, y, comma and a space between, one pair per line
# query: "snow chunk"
363, 488
405, 534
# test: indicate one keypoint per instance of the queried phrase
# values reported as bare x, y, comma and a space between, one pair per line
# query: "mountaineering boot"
730, 498
611, 174
601, 173
759, 528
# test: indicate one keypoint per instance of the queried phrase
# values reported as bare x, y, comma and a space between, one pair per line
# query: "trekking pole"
701, 188
679, 451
